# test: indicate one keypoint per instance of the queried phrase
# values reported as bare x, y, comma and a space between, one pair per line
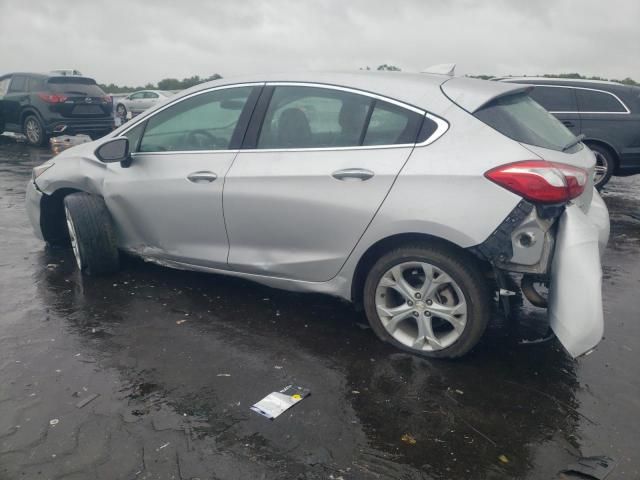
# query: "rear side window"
36, 84
601, 102
75, 86
392, 125
150, 95
315, 117
202, 122
308, 117
555, 99
519, 117
18, 84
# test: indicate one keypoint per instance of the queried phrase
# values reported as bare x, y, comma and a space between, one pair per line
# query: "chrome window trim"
627, 112
329, 86
441, 125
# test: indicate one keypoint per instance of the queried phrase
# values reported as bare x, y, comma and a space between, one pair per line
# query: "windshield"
521, 118
75, 86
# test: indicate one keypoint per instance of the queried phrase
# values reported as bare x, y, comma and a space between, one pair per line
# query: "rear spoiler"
472, 94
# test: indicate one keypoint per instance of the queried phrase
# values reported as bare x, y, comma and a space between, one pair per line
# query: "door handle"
202, 177
568, 123
353, 174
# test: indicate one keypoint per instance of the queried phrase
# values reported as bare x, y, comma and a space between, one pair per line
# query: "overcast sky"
135, 42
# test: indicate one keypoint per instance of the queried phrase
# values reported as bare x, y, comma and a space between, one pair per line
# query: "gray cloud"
137, 42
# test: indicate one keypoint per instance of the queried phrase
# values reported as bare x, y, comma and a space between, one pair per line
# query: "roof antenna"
441, 69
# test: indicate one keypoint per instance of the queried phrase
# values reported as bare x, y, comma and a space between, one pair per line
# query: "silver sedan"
137, 102
423, 198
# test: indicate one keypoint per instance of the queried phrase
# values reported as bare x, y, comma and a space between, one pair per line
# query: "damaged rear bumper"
575, 290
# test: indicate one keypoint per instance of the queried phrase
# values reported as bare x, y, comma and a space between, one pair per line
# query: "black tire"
90, 224
461, 267
121, 111
605, 158
34, 132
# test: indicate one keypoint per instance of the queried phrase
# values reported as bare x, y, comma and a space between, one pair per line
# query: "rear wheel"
91, 234
605, 164
430, 300
34, 131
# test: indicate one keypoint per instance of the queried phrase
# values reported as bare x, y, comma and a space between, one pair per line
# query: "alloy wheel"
33, 131
421, 306
73, 238
601, 169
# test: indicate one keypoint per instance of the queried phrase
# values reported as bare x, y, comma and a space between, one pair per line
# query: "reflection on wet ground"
177, 358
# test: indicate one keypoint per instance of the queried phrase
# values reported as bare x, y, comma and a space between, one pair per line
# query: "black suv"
40, 106
606, 113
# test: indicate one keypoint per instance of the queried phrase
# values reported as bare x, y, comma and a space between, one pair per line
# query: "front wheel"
91, 233
429, 300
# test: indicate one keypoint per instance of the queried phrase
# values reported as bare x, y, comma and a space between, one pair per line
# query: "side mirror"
115, 150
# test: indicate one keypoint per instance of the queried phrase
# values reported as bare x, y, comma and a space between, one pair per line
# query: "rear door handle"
353, 174
202, 177
568, 123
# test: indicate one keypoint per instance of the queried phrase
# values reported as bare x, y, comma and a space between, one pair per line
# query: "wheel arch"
601, 143
382, 246
30, 110
52, 218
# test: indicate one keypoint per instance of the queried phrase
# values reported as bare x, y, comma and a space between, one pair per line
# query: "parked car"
413, 195
40, 106
138, 102
606, 113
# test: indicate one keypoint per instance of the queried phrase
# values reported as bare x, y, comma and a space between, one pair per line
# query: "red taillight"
52, 98
106, 99
540, 181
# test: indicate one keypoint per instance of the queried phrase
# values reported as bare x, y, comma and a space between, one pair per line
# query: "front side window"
4, 86
136, 96
308, 117
134, 136
202, 122
521, 118
592, 101
555, 99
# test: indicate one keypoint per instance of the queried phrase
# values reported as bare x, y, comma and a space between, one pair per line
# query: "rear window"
75, 86
521, 118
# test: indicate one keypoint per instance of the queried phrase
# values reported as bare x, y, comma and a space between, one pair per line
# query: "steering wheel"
202, 139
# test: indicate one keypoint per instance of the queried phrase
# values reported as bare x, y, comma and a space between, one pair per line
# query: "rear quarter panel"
442, 190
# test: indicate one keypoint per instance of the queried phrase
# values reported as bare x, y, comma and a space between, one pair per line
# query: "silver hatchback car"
420, 197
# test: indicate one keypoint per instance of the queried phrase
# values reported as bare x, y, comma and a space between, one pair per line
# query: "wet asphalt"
177, 358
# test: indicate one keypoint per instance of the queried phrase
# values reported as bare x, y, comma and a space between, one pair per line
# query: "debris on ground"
223, 375
503, 458
278, 402
180, 322
87, 400
54, 422
408, 439
597, 467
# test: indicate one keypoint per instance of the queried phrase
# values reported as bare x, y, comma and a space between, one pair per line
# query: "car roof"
422, 90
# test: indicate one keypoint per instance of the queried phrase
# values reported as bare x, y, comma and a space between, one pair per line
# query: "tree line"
164, 84
175, 84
